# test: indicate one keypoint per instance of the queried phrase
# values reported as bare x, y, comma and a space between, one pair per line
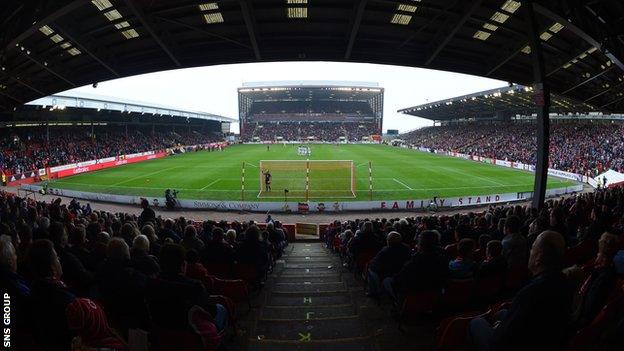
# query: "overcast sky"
213, 89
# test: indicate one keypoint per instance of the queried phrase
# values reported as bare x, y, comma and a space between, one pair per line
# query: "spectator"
49, 298
87, 320
78, 248
387, 263
601, 281
141, 260
122, 287
15, 284
463, 266
427, 270
147, 215
148, 231
168, 232
514, 244
75, 274
172, 295
539, 314
218, 250
191, 241
252, 251
494, 264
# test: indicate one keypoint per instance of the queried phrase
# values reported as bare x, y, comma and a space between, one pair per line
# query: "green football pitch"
396, 174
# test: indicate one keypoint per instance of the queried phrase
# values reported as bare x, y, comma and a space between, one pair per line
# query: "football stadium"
314, 216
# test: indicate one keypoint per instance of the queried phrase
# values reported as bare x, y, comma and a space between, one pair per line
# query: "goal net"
307, 179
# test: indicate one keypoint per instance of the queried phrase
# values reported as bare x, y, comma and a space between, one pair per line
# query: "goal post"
307, 179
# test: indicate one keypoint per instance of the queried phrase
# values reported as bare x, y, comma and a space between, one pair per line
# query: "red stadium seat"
585, 339
246, 272
580, 253
167, 340
237, 290
489, 288
457, 294
452, 331
362, 260
516, 278
219, 270
417, 304
337, 244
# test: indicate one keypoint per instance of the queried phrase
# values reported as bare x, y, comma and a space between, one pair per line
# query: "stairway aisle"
308, 305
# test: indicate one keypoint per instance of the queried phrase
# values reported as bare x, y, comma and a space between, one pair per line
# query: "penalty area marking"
400, 182
213, 182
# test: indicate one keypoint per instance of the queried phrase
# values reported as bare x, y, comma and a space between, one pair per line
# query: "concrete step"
308, 287
303, 299
334, 278
356, 344
297, 259
339, 328
306, 313
310, 264
318, 270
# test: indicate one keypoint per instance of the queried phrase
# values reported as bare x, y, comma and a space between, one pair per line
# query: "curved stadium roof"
310, 83
51, 46
495, 103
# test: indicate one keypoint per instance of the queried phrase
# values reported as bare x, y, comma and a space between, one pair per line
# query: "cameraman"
171, 198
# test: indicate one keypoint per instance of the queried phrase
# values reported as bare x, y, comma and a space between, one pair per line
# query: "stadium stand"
83, 257
27, 149
582, 147
310, 110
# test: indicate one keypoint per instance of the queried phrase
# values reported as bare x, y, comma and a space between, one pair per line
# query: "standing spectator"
147, 215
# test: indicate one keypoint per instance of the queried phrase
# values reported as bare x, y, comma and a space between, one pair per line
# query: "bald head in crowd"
394, 238
547, 252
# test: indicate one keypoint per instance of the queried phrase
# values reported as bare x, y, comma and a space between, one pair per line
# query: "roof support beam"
578, 32
475, 5
359, 13
605, 91
588, 80
541, 94
21, 82
203, 31
46, 67
612, 102
148, 27
11, 97
80, 41
47, 20
250, 23
431, 21
576, 57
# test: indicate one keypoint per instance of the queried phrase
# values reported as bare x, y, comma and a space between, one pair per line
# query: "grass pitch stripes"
397, 174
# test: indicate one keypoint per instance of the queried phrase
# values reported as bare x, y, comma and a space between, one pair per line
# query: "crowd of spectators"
89, 278
301, 131
587, 148
573, 248
28, 149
